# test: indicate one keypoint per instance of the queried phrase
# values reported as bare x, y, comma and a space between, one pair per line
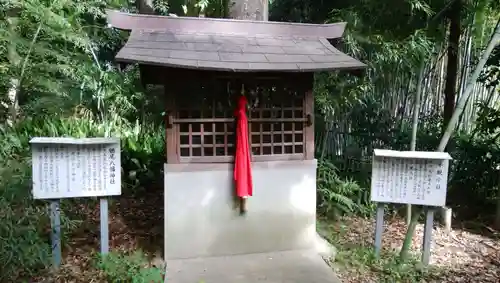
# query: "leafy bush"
336, 196
68, 88
133, 268
22, 248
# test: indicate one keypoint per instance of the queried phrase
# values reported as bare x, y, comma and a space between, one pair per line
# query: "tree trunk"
257, 10
437, 95
452, 64
18, 65
414, 128
496, 224
145, 6
465, 119
495, 39
15, 62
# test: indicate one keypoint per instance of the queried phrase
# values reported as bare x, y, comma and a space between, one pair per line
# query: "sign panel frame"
72, 168
409, 177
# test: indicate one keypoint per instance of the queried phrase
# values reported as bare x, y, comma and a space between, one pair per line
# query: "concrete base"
446, 218
201, 219
325, 249
300, 266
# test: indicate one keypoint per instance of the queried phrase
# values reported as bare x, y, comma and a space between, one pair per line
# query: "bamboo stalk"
450, 128
416, 111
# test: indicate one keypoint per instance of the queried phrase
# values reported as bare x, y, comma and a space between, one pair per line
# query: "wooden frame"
280, 128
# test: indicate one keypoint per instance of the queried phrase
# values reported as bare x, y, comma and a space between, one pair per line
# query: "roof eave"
353, 66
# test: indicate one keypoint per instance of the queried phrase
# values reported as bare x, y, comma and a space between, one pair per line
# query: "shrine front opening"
205, 65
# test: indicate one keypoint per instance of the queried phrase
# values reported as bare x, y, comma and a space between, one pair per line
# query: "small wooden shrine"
205, 65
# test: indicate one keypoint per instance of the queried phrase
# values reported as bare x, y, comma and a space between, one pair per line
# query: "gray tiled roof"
240, 52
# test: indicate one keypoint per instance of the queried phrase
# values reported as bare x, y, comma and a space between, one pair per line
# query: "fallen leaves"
460, 256
135, 222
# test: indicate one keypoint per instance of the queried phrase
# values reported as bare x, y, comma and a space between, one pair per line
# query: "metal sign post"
379, 228
74, 168
409, 177
426, 245
103, 202
55, 235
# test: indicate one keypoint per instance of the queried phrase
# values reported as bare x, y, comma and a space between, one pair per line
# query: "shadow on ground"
139, 217
475, 221
459, 256
135, 222
468, 273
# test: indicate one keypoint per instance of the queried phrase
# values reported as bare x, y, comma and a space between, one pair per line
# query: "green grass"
134, 268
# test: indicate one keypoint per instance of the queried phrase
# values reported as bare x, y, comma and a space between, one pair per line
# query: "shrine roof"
230, 45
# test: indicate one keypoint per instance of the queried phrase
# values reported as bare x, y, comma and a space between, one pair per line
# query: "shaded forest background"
58, 78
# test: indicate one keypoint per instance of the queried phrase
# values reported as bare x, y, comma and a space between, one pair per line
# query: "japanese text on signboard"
409, 180
76, 170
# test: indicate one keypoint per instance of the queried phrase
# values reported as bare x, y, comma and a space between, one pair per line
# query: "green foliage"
491, 75
25, 227
337, 197
143, 157
388, 267
134, 268
195, 8
22, 248
60, 52
473, 176
51, 45
476, 167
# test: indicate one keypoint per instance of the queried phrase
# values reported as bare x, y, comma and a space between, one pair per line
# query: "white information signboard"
410, 177
69, 167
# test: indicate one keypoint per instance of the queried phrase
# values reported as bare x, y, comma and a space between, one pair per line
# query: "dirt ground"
464, 255
135, 223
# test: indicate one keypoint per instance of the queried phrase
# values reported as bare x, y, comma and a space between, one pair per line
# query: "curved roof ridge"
129, 21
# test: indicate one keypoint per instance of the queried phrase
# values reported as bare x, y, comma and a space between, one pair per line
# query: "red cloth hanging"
242, 161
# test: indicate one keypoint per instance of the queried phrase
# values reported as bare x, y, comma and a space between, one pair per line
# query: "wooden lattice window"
205, 122
277, 123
